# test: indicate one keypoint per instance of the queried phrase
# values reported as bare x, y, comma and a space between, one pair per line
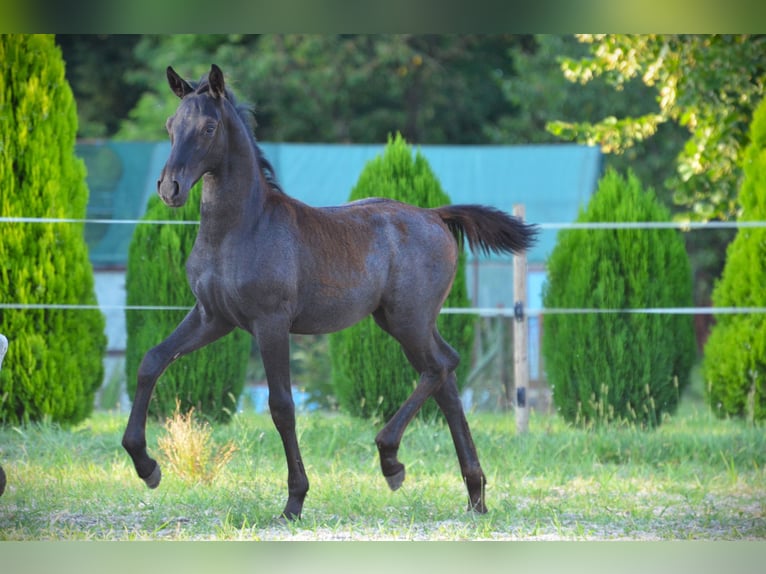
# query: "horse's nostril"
173, 187
168, 189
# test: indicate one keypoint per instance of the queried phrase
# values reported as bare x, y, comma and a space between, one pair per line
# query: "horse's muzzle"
169, 191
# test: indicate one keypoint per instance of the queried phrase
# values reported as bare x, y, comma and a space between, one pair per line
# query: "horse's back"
369, 254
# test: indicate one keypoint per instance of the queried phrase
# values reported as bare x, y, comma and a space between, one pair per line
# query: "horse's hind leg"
436, 361
424, 354
191, 334
390, 437
448, 399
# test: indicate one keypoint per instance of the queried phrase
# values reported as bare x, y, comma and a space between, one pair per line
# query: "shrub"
191, 453
210, 379
55, 360
371, 375
734, 364
618, 366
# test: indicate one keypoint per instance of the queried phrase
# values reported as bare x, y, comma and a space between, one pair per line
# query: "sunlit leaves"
708, 84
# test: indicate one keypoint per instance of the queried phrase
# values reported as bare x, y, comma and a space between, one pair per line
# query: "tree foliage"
708, 84
618, 366
338, 88
538, 95
735, 354
209, 380
54, 362
95, 65
688, 97
371, 375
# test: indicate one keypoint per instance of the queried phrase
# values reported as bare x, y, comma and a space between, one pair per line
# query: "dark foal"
271, 265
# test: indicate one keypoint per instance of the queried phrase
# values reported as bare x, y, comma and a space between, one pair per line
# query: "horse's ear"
179, 86
215, 80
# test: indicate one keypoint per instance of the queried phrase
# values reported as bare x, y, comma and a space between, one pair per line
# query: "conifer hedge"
618, 366
370, 373
210, 379
734, 363
55, 360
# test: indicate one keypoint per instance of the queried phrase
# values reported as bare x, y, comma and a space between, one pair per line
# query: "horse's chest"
237, 289
218, 288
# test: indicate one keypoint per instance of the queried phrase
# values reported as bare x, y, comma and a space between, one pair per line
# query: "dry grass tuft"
190, 450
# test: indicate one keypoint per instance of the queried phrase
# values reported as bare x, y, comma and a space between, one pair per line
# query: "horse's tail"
488, 229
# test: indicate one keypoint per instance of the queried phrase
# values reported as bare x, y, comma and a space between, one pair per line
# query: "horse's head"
195, 135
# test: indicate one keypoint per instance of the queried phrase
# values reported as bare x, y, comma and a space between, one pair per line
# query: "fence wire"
680, 225
480, 311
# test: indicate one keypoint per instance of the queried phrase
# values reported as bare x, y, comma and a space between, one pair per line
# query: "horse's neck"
233, 197
228, 205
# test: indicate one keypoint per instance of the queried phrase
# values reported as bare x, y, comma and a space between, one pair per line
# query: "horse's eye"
210, 129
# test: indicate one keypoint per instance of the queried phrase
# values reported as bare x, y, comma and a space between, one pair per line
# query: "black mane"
246, 113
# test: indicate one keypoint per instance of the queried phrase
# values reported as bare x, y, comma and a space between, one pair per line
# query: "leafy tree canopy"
337, 88
708, 84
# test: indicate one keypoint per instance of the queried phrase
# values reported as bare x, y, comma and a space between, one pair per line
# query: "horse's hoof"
395, 480
288, 517
153, 480
478, 507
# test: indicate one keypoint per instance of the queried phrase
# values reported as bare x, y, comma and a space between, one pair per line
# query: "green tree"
735, 354
54, 363
338, 88
539, 94
209, 380
94, 66
708, 84
618, 366
371, 375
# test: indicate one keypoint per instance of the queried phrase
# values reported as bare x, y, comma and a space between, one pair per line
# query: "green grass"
695, 477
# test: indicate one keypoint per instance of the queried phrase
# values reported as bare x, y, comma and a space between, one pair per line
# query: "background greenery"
54, 362
616, 366
735, 354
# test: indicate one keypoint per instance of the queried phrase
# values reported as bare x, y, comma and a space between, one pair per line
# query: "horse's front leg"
191, 334
274, 342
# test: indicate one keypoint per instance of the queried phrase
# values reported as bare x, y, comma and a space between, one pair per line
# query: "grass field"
696, 477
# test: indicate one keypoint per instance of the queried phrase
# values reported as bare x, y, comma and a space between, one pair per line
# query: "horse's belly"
333, 313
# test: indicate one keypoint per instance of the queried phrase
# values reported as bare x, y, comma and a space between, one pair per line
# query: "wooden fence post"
520, 334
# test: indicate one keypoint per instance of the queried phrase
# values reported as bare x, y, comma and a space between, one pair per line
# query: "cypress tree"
618, 366
734, 363
371, 376
210, 379
55, 361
